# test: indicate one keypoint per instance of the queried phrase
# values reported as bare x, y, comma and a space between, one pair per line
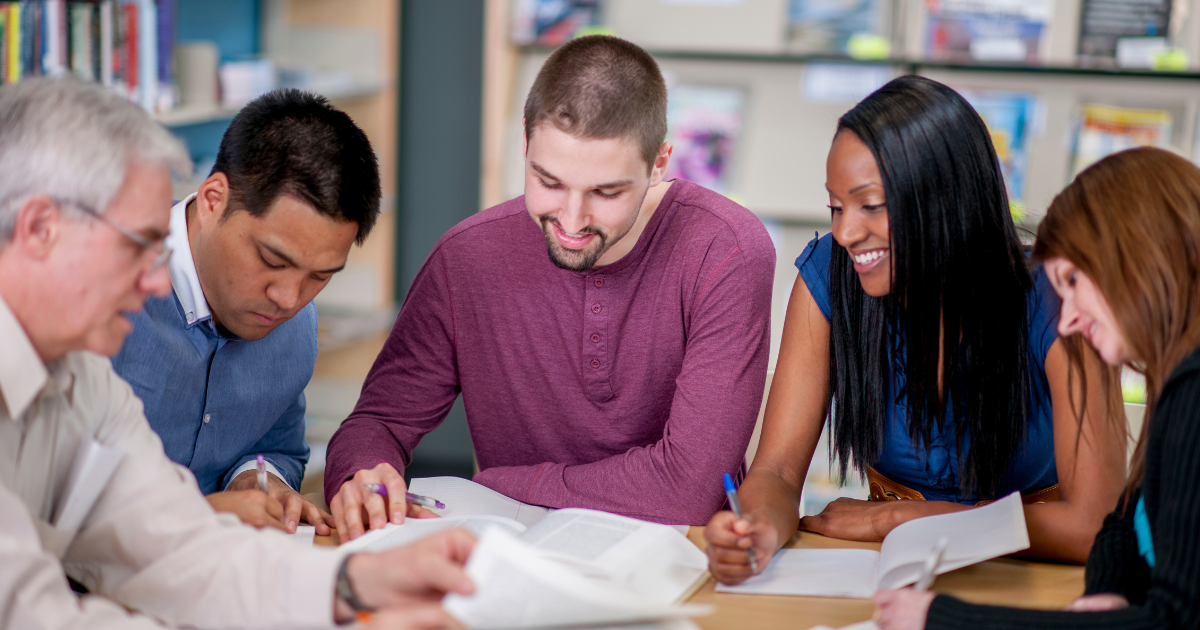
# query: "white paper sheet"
464, 497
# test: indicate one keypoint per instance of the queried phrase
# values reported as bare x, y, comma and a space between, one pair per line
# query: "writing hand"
252, 507
412, 577
902, 608
729, 537
295, 506
353, 499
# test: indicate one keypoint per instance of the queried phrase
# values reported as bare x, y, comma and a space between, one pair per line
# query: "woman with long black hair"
918, 331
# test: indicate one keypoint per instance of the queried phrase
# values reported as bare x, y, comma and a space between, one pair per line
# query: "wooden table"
1005, 581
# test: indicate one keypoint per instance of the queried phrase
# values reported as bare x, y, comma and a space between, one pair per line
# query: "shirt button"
599, 282
596, 309
596, 363
595, 337
207, 417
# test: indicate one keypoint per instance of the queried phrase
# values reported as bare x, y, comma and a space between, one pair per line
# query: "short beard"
569, 259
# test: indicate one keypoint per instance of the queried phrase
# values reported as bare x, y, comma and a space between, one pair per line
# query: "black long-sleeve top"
1167, 596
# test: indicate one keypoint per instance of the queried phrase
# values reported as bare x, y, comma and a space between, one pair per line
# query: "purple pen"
424, 501
261, 473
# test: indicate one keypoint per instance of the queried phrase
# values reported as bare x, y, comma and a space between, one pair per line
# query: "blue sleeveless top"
935, 474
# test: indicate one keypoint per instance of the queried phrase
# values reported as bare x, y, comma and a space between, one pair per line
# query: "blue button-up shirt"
216, 400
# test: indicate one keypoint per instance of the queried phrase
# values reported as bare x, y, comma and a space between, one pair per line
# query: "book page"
650, 558
414, 529
814, 573
975, 535
465, 497
519, 586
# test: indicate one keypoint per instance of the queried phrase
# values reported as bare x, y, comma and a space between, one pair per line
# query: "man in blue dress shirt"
221, 363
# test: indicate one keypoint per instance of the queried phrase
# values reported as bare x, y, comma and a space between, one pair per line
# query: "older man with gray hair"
85, 488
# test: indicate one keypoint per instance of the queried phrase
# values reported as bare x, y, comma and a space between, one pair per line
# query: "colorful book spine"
3, 43
129, 49
147, 55
107, 42
12, 27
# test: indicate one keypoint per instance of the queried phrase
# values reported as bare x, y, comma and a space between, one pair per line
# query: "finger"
313, 516
457, 544
351, 511
729, 573
339, 523
292, 507
376, 509
730, 556
418, 511
272, 507
446, 576
394, 481
719, 530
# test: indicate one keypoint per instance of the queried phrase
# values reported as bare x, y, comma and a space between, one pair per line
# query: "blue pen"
731, 494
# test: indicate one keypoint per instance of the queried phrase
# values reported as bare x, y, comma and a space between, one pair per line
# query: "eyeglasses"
164, 250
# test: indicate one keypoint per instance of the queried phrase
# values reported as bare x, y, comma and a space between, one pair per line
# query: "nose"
156, 282
284, 294
1070, 320
574, 216
848, 229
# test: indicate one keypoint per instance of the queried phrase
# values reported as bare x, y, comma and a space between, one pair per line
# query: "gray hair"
73, 141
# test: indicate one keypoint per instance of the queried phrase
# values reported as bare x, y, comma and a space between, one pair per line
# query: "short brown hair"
601, 87
1131, 222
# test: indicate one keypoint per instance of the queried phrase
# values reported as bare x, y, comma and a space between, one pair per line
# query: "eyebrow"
544, 173
288, 259
154, 234
862, 186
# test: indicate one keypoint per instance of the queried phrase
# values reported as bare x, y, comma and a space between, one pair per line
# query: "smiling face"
586, 195
1085, 311
259, 271
859, 211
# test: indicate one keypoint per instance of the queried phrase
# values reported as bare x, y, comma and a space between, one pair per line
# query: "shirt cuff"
253, 465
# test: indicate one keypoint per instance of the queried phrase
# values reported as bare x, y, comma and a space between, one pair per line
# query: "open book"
557, 568
975, 535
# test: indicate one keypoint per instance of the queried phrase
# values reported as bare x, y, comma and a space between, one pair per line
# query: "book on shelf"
126, 45
986, 30
1104, 24
830, 26
704, 122
553, 22
1010, 118
1105, 129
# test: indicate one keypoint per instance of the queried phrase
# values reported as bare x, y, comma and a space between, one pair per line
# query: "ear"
39, 226
212, 200
658, 170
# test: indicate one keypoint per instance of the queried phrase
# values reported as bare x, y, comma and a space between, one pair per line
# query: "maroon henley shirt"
628, 388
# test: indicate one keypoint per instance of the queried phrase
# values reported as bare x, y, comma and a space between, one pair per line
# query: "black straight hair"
959, 280
290, 142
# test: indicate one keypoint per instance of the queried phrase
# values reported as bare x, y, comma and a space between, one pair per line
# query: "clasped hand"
281, 507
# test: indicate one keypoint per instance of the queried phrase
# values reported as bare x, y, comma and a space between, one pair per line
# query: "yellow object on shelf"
868, 46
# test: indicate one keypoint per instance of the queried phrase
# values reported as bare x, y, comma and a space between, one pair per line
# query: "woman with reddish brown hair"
1121, 245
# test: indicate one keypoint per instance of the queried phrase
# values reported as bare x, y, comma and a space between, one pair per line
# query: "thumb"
443, 575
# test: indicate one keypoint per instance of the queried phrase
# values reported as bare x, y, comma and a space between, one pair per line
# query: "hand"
250, 506
419, 617
870, 521
729, 537
902, 608
354, 498
295, 506
1098, 603
411, 576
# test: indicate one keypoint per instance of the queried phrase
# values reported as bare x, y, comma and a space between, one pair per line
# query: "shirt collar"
22, 374
183, 268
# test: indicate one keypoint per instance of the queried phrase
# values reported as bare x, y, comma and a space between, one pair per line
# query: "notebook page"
517, 586
814, 573
465, 497
975, 535
652, 559
414, 529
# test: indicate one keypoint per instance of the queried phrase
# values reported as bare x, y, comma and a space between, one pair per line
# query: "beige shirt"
150, 542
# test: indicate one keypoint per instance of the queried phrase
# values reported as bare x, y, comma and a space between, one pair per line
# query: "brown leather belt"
884, 489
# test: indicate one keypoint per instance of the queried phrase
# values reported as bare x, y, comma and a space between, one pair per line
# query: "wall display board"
1104, 23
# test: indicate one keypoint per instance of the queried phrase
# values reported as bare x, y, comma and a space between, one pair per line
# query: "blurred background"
756, 87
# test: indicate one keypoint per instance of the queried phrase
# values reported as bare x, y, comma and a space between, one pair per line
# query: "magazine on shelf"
553, 22
1105, 129
1104, 23
986, 30
704, 124
827, 26
1010, 118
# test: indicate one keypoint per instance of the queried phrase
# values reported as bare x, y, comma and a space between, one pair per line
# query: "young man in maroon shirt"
608, 330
